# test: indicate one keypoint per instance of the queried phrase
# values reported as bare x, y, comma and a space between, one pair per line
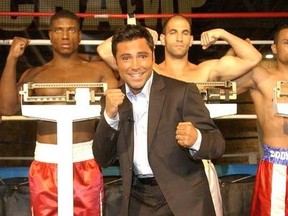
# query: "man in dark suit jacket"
159, 129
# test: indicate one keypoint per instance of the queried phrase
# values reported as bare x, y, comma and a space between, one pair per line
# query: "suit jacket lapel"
157, 97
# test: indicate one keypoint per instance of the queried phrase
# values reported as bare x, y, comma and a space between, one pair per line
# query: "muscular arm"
230, 67
9, 101
105, 52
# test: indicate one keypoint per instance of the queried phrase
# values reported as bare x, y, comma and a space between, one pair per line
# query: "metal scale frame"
81, 102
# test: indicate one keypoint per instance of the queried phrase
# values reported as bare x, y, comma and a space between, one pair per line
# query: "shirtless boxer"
66, 66
270, 195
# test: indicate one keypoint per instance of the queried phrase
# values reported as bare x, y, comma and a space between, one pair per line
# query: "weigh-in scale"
81, 102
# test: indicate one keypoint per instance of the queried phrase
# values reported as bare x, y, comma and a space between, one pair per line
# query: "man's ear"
273, 48
162, 39
114, 63
49, 34
191, 42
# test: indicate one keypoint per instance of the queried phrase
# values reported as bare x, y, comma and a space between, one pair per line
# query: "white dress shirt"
140, 104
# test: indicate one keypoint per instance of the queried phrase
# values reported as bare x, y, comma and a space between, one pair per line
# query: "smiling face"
177, 37
65, 36
135, 61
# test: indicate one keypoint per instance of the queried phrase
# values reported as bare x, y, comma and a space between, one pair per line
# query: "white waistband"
48, 152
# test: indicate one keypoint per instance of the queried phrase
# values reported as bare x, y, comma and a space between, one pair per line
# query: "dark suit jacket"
180, 176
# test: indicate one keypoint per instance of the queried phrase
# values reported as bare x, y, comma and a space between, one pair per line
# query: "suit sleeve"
194, 110
105, 142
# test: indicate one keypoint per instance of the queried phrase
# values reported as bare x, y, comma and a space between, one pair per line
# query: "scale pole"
65, 166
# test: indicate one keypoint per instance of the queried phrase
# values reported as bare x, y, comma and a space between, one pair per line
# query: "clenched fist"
18, 46
114, 98
208, 38
186, 134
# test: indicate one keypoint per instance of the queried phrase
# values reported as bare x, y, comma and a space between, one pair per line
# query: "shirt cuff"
113, 122
193, 149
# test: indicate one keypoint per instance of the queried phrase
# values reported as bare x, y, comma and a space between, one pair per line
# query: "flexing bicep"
239, 60
105, 52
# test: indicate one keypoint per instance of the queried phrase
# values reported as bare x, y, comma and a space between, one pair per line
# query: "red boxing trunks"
270, 190
88, 181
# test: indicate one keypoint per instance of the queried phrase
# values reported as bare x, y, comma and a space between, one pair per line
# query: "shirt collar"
145, 91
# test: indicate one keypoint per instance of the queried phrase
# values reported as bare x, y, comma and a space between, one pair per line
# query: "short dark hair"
65, 14
130, 33
277, 31
173, 16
